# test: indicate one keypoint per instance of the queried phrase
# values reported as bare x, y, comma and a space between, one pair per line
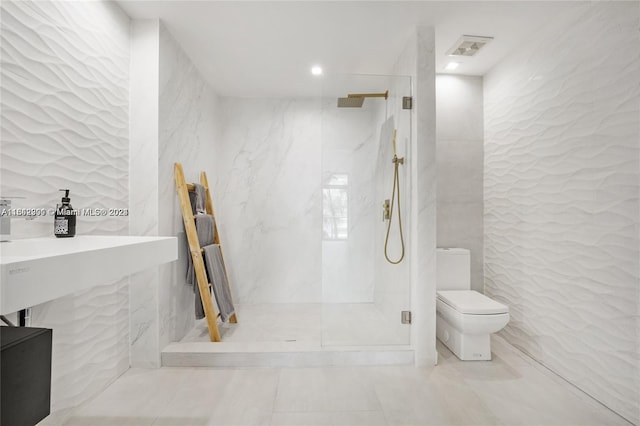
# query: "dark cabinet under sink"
25, 370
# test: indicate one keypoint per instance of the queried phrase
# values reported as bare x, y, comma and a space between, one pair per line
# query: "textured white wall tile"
561, 198
460, 162
65, 106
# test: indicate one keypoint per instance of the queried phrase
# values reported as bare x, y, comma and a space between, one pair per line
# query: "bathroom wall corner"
424, 196
143, 187
460, 162
418, 61
187, 128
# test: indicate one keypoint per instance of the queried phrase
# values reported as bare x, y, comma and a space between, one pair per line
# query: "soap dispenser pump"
65, 218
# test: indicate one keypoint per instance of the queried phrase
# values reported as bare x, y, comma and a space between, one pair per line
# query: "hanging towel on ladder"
201, 199
205, 226
198, 199
218, 276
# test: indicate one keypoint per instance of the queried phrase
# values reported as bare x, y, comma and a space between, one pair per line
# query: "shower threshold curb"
281, 354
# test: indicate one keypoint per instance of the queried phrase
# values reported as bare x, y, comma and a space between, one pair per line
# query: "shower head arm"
369, 95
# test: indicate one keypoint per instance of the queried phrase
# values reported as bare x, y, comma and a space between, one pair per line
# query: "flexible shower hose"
396, 189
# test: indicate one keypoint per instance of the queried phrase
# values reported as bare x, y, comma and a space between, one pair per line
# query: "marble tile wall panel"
562, 200
188, 133
65, 106
423, 194
143, 187
460, 160
268, 198
417, 60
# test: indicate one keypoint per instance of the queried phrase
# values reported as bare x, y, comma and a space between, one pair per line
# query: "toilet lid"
471, 302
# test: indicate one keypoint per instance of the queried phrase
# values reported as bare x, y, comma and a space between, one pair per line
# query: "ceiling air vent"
468, 45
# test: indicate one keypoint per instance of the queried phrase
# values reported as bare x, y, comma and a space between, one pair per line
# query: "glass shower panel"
335, 207
363, 295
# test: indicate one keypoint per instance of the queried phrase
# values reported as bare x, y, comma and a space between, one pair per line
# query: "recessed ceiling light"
316, 70
452, 66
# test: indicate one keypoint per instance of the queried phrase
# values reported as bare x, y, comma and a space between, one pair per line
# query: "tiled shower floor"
338, 324
300, 335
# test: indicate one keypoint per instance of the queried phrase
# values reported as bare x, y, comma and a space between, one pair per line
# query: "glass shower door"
363, 294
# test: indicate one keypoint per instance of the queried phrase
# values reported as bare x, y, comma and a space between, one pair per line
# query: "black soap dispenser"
65, 218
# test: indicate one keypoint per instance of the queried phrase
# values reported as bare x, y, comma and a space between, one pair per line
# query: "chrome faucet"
5, 219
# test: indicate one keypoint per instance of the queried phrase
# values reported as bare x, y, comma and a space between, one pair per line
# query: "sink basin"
38, 270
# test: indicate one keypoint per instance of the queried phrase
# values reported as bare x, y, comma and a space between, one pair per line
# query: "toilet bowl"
465, 319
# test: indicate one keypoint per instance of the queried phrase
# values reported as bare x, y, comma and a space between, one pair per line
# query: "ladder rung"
191, 187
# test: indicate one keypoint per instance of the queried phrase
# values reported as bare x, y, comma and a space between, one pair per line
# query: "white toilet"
465, 318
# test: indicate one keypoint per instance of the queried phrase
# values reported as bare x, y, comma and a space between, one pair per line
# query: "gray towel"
205, 227
192, 201
201, 199
198, 307
218, 277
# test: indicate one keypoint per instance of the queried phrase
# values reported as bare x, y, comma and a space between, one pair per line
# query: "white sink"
38, 270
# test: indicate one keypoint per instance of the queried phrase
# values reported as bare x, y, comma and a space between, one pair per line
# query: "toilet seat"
470, 302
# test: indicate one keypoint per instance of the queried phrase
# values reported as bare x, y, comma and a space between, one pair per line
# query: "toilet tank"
453, 269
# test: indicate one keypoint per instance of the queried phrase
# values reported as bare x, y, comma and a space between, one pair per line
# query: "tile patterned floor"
510, 390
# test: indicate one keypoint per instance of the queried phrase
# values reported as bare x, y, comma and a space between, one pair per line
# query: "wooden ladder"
196, 251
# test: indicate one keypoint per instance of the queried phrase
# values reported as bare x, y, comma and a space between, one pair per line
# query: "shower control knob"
386, 213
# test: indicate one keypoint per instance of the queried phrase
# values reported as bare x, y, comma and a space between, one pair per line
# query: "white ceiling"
266, 48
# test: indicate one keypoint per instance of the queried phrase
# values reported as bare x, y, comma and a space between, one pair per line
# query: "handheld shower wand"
396, 190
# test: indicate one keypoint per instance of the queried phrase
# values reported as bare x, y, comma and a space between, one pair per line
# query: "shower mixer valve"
386, 207
397, 160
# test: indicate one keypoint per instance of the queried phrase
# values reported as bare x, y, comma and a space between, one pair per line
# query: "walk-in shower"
365, 282
304, 229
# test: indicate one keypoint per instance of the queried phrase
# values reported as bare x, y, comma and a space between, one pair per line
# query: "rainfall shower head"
356, 100
350, 102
